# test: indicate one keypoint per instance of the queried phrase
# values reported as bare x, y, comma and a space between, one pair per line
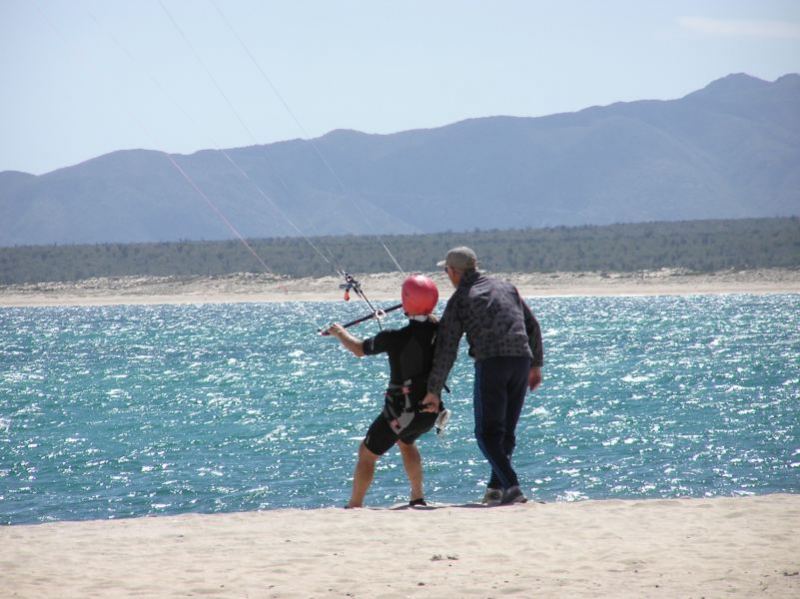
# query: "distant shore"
385, 287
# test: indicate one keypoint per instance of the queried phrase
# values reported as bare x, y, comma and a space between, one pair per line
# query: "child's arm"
355, 345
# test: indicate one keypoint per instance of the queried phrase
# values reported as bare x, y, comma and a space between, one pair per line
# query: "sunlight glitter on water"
126, 411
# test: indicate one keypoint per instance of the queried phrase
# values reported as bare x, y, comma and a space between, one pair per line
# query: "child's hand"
336, 330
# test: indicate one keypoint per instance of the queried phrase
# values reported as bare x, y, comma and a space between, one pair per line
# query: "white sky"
79, 78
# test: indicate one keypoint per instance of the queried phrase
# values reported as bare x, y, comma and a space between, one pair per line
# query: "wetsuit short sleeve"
381, 343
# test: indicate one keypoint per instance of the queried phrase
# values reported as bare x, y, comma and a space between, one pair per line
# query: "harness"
398, 408
401, 401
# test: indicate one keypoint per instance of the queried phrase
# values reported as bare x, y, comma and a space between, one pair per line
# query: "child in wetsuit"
410, 353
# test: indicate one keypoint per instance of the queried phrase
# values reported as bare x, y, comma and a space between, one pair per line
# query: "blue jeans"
500, 387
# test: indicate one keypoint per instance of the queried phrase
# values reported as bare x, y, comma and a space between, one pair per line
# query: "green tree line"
700, 246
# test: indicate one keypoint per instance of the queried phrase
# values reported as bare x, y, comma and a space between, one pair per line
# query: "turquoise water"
109, 412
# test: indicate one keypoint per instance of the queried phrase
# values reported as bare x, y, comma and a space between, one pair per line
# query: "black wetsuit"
410, 352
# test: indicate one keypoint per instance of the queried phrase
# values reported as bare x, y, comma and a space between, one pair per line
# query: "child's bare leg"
412, 462
362, 478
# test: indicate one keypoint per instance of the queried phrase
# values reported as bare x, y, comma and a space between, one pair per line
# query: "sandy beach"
265, 288
732, 547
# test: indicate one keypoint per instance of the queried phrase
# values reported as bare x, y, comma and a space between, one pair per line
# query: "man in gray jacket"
506, 342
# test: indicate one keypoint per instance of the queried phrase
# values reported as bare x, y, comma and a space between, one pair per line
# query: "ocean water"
111, 412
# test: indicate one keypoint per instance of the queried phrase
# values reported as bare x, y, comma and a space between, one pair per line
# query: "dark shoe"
417, 502
513, 495
492, 496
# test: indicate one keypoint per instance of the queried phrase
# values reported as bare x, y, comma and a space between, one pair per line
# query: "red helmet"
419, 295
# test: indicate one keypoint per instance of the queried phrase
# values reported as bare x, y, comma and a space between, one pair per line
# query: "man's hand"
534, 378
431, 403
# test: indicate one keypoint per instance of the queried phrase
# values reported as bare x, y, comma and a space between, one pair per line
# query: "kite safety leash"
351, 284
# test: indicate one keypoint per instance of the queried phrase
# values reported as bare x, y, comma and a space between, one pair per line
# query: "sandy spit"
731, 547
265, 288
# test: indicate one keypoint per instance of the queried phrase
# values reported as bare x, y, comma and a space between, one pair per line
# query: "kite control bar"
374, 314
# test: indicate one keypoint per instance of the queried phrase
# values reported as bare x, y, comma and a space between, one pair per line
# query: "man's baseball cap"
461, 258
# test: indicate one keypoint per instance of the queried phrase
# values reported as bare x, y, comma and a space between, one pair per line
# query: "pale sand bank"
732, 547
385, 287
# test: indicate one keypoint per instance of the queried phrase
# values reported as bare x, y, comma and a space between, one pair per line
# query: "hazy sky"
79, 78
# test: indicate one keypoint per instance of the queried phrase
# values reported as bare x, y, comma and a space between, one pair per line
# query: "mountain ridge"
728, 150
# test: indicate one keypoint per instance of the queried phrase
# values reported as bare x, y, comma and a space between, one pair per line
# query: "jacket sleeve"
448, 337
534, 333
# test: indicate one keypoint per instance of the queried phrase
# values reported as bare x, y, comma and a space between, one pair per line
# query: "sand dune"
738, 547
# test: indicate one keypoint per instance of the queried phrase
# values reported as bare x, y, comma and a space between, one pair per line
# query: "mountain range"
729, 150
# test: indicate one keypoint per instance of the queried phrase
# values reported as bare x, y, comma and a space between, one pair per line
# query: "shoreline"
246, 287
732, 546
